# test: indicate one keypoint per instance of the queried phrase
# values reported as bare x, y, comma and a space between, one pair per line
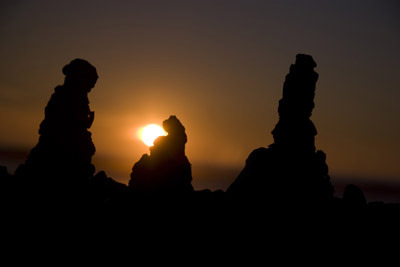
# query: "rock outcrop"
289, 170
167, 169
61, 161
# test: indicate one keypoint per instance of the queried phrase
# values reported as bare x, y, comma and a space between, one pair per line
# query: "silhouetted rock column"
290, 169
61, 161
167, 169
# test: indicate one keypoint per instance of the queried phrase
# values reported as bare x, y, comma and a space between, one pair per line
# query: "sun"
150, 132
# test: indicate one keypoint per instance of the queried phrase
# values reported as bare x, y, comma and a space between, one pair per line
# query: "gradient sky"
219, 66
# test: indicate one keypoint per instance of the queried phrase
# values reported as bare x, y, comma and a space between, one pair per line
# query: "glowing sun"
150, 132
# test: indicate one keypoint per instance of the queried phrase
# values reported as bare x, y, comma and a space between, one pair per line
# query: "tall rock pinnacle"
290, 169
61, 161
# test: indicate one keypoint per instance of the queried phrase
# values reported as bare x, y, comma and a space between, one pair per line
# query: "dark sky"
219, 66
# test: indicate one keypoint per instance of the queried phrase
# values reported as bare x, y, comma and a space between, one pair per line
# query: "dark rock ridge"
290, 169
166, 169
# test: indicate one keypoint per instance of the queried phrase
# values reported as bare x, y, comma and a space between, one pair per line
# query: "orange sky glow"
219, 66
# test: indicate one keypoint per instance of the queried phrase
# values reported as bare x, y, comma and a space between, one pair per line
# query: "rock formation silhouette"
6, 181
166, 169
61, 161
354, 197
102, 190
289, 170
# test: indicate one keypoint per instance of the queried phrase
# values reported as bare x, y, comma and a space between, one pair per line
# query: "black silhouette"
167, 169
290, 170
353, 197
6, 181
102, 190
61, 161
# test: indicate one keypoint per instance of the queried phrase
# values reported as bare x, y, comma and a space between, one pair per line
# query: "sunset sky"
219, 66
